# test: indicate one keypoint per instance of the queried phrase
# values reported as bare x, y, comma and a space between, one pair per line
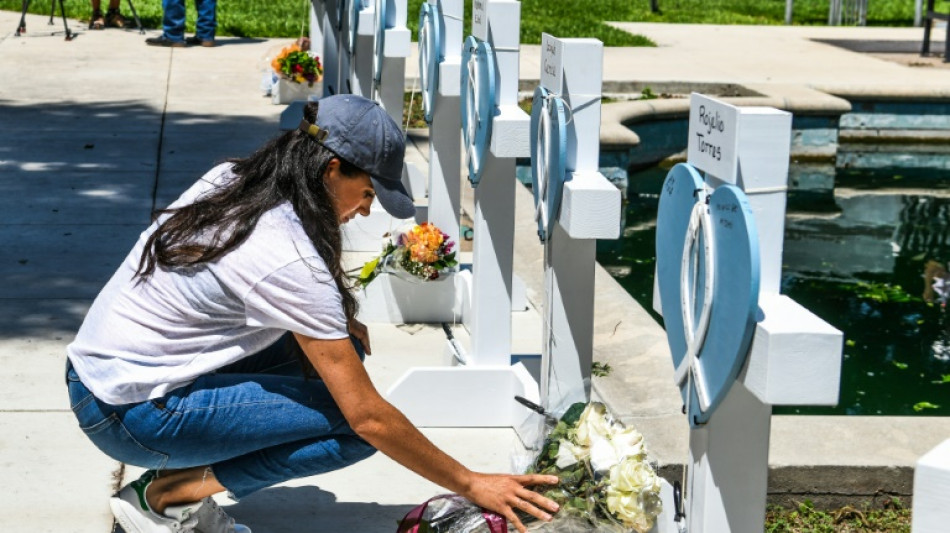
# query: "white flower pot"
396, 298
286, 91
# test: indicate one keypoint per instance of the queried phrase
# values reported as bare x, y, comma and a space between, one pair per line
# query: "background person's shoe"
161, 40
195, 41
114, 19
132, 512
96, 21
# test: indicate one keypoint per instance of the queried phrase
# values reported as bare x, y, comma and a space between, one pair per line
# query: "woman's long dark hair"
288, 168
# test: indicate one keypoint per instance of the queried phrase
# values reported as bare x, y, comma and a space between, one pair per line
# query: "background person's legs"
114, 18
173, 20
207, 20
96, 20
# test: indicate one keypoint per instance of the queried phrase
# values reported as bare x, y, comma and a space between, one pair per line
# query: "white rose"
628, 508
628, 442
633, 475
603, 455
592, 424
624, 505
568, 454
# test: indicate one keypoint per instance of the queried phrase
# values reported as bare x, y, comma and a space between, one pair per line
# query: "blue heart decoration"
548, 167
727, 255
430, 54
478, 102
382, 15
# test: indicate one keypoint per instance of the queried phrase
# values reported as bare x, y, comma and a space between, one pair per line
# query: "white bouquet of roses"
607, 483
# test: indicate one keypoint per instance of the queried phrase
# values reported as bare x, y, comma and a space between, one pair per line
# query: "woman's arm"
388, 430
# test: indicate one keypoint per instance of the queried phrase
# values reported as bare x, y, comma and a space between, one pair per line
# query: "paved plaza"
97, 132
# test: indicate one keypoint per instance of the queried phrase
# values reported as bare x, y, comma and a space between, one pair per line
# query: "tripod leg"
136, 16
21, 28
928, 21
946, 43
62, 11
52, 12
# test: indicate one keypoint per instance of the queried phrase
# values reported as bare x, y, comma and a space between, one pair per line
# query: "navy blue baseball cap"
361, 132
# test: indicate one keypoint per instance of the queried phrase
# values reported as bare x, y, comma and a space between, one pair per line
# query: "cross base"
467, 396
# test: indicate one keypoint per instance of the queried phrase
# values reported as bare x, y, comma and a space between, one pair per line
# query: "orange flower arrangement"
424, 242
421, 250
296, 64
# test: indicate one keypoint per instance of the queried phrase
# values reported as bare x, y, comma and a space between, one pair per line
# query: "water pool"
856, 252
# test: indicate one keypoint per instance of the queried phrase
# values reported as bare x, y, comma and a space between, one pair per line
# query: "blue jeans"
173, 19
257, 422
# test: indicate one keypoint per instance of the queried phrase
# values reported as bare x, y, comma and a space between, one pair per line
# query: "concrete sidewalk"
96, 132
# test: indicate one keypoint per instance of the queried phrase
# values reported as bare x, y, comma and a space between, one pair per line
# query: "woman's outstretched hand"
504, 494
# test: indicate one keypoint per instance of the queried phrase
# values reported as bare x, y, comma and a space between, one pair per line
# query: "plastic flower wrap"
296, 64
421, 250
451, 513
607, 484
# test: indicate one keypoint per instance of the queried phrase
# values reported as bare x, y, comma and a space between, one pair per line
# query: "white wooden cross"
392, 39
575, 206
794, 358
481, 390
342, 33
360, 34
496, 22
363, 45
326, 17
389, 298
440, 59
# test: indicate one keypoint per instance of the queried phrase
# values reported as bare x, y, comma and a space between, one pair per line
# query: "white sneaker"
132, 512
213, 519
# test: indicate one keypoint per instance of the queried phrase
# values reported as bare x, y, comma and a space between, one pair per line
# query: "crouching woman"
188, 364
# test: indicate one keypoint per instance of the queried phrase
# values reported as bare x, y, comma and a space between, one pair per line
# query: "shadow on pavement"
78, 183
309, 509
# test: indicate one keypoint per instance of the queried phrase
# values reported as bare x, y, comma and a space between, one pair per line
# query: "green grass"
890, 516
563, 18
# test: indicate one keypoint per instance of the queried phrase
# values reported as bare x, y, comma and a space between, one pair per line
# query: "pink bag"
453, 510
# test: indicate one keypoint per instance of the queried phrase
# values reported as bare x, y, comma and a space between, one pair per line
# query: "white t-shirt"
141, 340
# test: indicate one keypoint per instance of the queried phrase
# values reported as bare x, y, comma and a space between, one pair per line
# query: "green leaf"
368, 268
573, 413
368, 273
920, 406
898, 364
601, 369
578, 503
945, 378
849, 343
